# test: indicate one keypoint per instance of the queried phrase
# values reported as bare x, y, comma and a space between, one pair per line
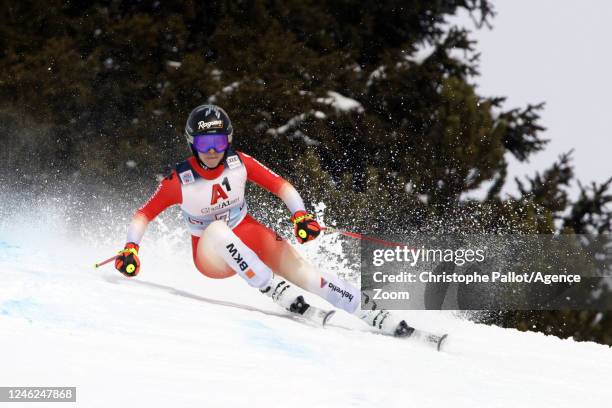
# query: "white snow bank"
171, 337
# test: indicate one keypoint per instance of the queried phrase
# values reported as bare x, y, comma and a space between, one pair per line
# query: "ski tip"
328, 316
442, 338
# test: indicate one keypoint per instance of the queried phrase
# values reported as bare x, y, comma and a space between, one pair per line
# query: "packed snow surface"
172, 337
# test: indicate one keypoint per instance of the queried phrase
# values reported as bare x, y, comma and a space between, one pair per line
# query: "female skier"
210, 188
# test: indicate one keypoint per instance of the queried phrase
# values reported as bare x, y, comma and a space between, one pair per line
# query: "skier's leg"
281, 257
252, 250
285, 261
210, 264
220, 249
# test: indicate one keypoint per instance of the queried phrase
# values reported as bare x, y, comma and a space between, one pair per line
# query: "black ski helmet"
207, 119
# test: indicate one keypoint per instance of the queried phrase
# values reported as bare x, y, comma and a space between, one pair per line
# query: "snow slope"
172, 337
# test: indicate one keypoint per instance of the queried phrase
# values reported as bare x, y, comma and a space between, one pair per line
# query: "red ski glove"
127, 262
306, 228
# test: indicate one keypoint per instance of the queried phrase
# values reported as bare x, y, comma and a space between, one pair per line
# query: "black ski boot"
299, 305
403, 330
283, 293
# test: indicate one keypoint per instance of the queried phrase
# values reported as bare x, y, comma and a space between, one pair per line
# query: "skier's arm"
305, 227
168, 193
264, 177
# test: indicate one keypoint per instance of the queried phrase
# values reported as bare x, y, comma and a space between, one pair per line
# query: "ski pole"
105, 262
364, 237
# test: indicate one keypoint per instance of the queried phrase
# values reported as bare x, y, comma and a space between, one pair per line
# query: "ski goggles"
203, 143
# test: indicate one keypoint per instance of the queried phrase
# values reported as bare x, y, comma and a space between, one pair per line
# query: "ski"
310, 313
431, 339
405, 331
317, 316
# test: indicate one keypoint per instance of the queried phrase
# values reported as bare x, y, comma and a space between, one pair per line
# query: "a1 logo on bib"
217, 194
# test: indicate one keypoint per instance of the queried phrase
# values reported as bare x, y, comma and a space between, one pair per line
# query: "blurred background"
376, 109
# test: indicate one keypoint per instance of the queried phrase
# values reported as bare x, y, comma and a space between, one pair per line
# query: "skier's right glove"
127, 262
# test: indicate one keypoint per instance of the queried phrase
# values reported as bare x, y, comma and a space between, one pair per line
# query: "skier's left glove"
306, 228
127, 262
